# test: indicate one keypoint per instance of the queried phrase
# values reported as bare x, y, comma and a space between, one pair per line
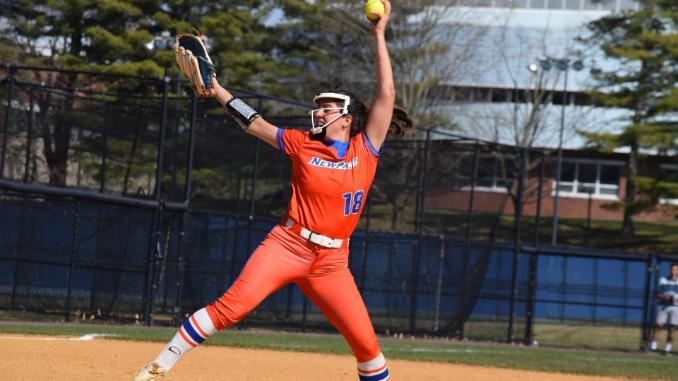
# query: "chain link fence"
128, 199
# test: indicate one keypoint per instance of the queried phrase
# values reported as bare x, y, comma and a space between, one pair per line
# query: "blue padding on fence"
456, 280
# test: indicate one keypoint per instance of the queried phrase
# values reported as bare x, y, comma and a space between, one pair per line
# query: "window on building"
591, 5
584, 177
494, 174
573, 4
555, 4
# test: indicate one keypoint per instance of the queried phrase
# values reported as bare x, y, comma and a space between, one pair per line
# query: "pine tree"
113, 36
642, 46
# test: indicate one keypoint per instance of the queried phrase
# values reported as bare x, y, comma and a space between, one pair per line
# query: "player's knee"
228, 311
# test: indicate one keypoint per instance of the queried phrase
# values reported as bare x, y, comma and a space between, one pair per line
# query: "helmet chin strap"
315, 130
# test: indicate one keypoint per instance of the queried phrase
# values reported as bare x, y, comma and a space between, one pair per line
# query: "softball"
374, 9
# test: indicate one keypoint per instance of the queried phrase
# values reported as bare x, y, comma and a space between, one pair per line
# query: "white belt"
316, 238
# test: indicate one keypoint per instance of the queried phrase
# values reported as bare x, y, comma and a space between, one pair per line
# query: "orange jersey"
328, 191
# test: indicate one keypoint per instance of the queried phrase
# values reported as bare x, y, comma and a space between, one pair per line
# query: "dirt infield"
77, 359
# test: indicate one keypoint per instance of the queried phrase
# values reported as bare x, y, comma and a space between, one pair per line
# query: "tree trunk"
57, 144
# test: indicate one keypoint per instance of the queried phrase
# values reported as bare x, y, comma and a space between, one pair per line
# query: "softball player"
667, 308
333, 166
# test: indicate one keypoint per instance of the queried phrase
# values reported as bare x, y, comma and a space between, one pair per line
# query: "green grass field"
619, 364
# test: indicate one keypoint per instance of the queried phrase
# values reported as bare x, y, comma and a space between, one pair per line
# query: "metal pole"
253, 188
154, 249
181, 265
421, 186
390, 290
363, 258
528, 337
516, 246
540, 194
416, 257
236, 235
594, 310
8, 112
417, 201
185, 217
563, 288
439, 285
424, 179
191, 150
29, 134
559, 163
588, 218
467, 235
74, 253
161, 141
177, 123
104, 157
645, 324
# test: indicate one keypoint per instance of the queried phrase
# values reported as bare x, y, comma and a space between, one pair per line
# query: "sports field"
87, 352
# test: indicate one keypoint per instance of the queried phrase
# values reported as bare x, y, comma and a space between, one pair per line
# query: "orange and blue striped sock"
373, 370
192, 333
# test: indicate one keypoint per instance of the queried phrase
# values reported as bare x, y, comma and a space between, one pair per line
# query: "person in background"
667, 308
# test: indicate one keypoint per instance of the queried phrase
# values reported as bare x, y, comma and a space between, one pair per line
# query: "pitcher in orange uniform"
333, 166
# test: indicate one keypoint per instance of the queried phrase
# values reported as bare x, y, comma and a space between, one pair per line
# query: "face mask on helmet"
342, 111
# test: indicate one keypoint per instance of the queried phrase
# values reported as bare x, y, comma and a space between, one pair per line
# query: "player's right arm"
259, 127
381, 111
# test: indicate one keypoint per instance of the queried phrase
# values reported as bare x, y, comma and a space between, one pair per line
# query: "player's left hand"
194, 61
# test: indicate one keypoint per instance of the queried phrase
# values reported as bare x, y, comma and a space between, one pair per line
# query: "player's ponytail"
359, 110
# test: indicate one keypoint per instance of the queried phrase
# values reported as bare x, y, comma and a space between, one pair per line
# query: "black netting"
451, 241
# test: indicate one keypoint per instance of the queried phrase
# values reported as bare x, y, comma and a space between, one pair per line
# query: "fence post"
29, 134
516, 245
191, 149
421, 187
182, 244
185, 214
104, 157
439, 283
8, 112
74, 252
154, 249
528, 337
589, 206
646, 322
365, 243
250, 217
236, 227
467, 235
177, 123
416, 257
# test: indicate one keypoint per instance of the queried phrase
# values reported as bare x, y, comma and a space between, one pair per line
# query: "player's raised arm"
250, 121
382, 108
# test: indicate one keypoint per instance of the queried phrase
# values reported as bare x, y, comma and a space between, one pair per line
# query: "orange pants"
321, 273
